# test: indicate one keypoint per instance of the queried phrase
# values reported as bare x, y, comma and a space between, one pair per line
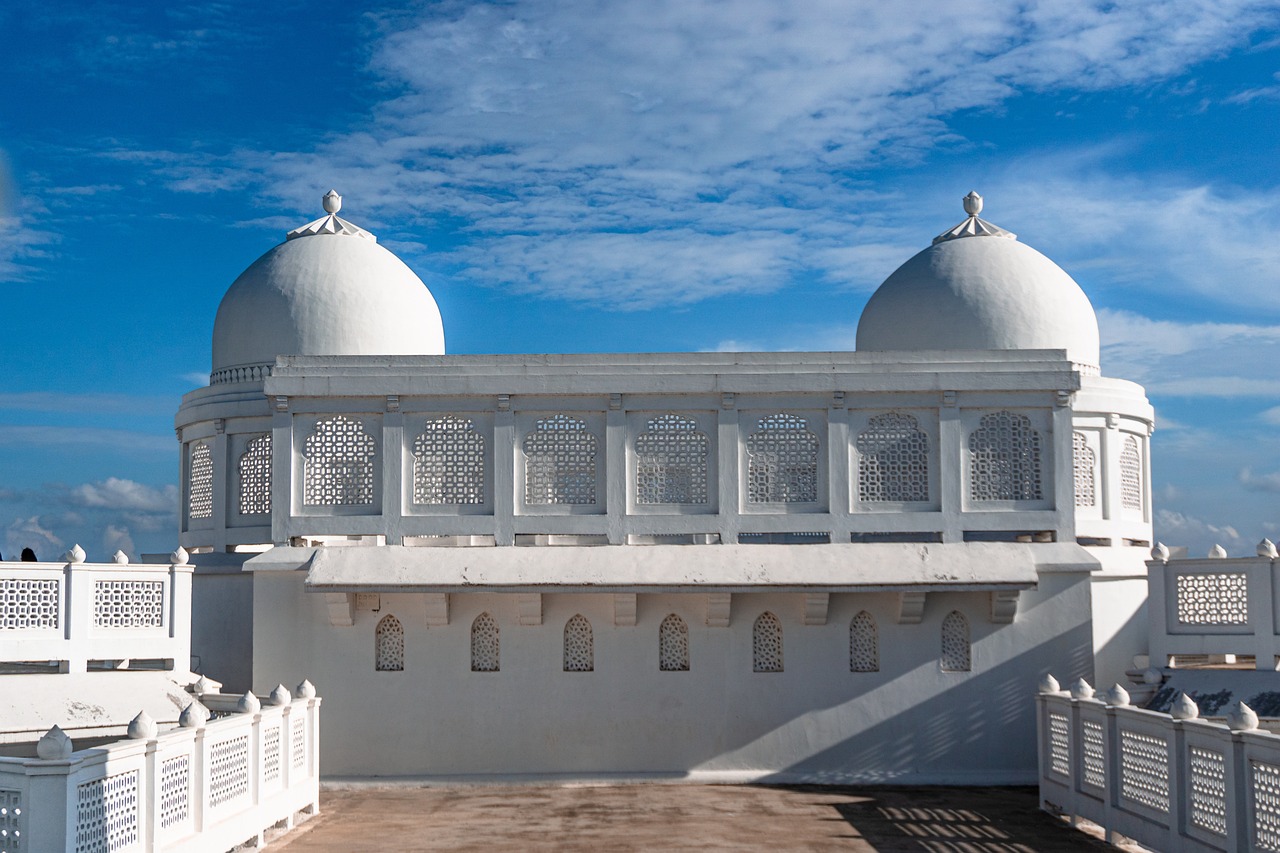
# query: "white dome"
329, 289
978, 288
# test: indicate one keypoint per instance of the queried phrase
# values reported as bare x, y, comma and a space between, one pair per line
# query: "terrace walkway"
684, 817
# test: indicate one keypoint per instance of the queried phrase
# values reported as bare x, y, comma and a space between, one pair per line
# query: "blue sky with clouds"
636, 176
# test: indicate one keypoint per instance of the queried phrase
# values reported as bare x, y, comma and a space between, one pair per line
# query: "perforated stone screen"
1144, 769
864, 644
1059, 745
1208, 788
671, 462
673, 645
1131, 474
200, 482
560, 462
271, 754
255, 476
128, 604
338, 464
893, 460
1094, 754
1264, 784
228, 770
766, 644
175, 790
389, 645
1004, 459
1085, 467
11, 840
579, 646
28, 604
955, 643
782, 461
484, 644
448, 463
1213, 599
107, 813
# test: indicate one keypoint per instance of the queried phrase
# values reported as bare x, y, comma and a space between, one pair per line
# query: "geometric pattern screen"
893, 460
338, 468
1004, 459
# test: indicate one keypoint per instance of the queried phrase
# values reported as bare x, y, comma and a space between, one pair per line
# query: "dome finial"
973, 203
333, 202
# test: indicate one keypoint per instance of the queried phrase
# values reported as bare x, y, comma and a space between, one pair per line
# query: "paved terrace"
685, 817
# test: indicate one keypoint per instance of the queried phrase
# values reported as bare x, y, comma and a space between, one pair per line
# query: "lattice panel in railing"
448, 463
1059, 745
671, 462
1085, 468
1144, 770
255, 476
175, 790
28, 604
298, 744
560, 463
579, 645
893, 460
864, 644
271, 754
1094, 754
1131, 474
107, 814
485, 649
766, 644
1004, 459
782, 461
11, 840
1264, 785
228, 770
128, 604
1216, 599
673, 645
200, 482
1207, 789
338, 469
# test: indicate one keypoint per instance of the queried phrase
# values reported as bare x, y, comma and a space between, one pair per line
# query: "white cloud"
120, 494
1271, 416
1198, 535
54, 436
117, 538
28, 532
1260, 482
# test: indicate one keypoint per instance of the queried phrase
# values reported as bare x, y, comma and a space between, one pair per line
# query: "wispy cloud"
54, 436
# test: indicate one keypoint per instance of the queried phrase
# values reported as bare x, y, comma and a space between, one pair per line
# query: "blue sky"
635, 176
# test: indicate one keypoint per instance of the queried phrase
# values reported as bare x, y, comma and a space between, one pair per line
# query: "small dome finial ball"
332, 202
973, 203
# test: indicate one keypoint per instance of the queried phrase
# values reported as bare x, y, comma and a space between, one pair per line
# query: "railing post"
79, 616
1158, 607
50, 806
1262, 614
1178, 783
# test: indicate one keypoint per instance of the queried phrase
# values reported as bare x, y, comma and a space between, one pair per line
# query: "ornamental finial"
333, 202
973, 203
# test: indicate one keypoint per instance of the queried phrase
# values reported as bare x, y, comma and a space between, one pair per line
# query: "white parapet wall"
1214, 606
1169, 782
70, 613
208, 785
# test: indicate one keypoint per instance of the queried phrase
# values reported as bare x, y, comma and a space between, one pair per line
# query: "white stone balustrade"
1214, 606
206, 786
75, 612
1167, 782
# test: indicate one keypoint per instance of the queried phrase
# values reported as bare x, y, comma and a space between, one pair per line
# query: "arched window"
255, 476
484, 644
671, 462
448, 463
893, 460
1131, 474
389, 645
955, 643
782, 461
673, 645
579, 648
1004, 459
864, 644
1085, 468
766, 644
560, 462
200, 482
338, 464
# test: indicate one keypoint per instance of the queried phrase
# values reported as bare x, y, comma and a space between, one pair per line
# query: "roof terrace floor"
642, 817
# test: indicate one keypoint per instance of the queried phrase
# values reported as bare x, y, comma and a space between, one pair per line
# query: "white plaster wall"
815, 720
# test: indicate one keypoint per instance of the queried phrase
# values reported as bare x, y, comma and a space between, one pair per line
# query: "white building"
815, 566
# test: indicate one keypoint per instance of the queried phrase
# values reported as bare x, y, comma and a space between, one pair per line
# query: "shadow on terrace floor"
642, 817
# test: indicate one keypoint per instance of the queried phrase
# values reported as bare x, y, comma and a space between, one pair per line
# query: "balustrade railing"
1167, 781
208, 785
1214, 606
66, 615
